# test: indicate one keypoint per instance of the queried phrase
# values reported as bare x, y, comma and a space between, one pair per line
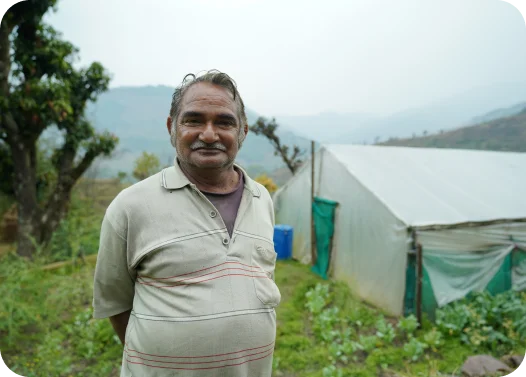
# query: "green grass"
300, 352
46, 328
45, 323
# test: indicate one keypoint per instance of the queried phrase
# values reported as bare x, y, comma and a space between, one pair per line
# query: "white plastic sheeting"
369, 243
463, 260
292, 204
383, 191
425, 186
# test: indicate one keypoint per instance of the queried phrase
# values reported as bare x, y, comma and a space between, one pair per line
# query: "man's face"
208, 131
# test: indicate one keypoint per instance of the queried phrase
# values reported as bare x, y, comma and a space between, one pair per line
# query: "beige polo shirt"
202, 302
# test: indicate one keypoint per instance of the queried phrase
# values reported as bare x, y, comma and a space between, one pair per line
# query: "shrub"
414, 349
317, 298
484, 321
267, 182
369, 343
434, 339
385, 330
408, 325
332, 371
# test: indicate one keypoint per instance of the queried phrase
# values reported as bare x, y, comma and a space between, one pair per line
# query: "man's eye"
192, 121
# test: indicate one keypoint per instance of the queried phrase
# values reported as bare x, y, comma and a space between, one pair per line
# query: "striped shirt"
202, 301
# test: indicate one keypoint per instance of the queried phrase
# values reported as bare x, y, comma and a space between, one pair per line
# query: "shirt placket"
243, 206
213, 213
245, 202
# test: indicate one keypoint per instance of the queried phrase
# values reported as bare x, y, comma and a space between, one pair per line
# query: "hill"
499, 113
503, 134
445, 114
137, 115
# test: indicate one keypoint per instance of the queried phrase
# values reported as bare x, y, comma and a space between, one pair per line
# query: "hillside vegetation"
504, 134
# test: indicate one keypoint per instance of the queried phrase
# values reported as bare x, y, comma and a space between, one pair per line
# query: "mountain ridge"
443, 114
505, 134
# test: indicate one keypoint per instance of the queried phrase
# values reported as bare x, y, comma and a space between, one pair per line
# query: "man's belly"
234, 343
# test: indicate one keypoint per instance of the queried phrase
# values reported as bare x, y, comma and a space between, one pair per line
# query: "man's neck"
211, 180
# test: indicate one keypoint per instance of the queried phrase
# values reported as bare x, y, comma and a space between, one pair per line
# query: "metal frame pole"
313, 231
419, 279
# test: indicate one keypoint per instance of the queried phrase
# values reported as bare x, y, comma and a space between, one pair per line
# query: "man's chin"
209, 163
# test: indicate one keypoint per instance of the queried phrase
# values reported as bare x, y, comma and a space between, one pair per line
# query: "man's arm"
120, 323
113, 281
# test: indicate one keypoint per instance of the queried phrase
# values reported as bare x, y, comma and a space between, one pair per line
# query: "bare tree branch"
268, 129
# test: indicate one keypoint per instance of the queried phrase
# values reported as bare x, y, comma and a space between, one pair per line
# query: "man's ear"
169, 125
245, 130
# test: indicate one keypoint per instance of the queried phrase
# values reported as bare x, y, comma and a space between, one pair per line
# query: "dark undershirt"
227, 204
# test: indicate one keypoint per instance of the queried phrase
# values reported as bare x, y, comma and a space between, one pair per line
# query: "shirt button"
213, 213
225, 241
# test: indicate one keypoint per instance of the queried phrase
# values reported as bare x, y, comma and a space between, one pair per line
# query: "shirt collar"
173, 178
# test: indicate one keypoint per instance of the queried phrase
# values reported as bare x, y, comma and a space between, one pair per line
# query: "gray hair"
213, 77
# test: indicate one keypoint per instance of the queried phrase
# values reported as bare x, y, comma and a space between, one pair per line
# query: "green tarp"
519, 270
323, 211
501, 282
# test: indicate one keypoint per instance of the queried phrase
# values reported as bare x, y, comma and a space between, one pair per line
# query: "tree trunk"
25, 194
37, 222
56, 210
26, 242
36, 226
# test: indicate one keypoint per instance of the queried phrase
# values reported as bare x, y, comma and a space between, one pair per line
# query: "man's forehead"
208, 93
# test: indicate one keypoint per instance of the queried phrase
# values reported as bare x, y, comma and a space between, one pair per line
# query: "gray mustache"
199, 144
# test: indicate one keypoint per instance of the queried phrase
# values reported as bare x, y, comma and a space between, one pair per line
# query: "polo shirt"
202, 301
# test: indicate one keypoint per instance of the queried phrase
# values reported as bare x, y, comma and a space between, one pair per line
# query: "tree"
146, 165
121, 176
268, 129
39, 89
267, 182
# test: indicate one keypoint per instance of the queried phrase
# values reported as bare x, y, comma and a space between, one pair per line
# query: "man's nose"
209, 134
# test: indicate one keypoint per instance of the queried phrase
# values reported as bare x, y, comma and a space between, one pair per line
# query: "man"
186, 260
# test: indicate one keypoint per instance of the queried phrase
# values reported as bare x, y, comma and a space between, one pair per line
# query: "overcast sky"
305, 57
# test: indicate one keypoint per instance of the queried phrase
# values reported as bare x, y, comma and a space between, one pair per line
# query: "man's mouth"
210, 150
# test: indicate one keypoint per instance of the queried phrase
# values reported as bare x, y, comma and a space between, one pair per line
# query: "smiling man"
186, 260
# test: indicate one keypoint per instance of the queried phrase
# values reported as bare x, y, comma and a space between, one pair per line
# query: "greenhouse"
382, 214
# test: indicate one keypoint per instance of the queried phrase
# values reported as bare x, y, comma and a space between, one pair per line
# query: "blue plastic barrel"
283, 241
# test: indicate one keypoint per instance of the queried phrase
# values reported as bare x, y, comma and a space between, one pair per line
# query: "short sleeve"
114, 284
272, 212
270, 204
